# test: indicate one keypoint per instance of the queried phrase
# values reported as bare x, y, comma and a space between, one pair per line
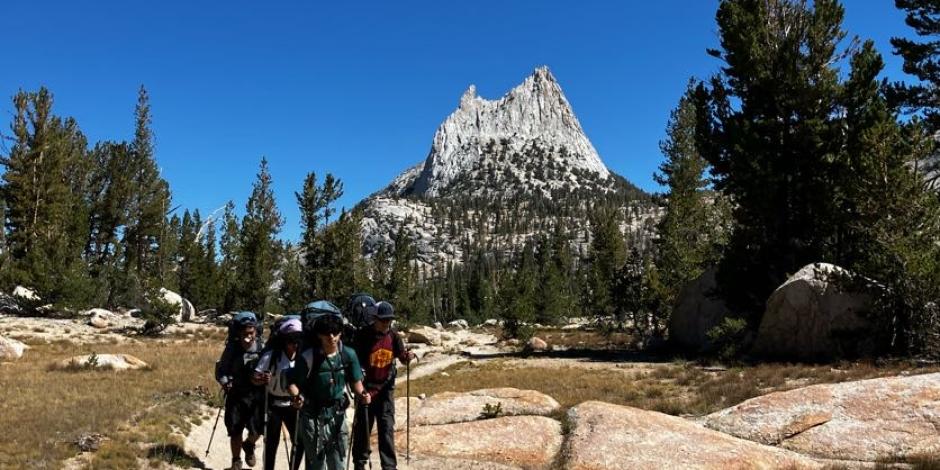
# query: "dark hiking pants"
272, 435
382, 409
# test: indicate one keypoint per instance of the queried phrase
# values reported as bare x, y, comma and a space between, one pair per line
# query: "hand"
266, 377
409, 356
365, 398
297, 401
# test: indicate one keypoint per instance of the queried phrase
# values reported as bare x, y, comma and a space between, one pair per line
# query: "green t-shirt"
329, 382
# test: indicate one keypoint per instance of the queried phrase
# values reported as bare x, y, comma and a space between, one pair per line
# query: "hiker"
243, 399
317, 389
273, 370
378, 346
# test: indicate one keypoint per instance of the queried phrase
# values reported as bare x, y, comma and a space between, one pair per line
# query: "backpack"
240, 320
313, 312
360, 310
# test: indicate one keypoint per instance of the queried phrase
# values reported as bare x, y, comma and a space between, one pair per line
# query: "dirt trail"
220, 456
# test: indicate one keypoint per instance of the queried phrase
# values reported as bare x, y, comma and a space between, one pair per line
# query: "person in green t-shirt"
317, 388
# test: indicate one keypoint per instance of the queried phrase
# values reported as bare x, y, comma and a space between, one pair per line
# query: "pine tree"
293, 289
190, 258
606, 257
921, 59
230, 246
316, 207
893, 222
109, 195
43, 184
211, 285
168, 254
517, 296
769, 124
148, 206
342, 269
691, 230
258, 248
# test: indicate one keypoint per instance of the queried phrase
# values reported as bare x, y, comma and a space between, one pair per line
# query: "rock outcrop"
187, 311
814, 315
99, 318
528, 442
698, 310
459, 407
11, 349
891, 419
116, 362
605, 436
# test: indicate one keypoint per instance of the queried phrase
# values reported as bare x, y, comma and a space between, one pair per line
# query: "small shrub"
727, 337
490, 411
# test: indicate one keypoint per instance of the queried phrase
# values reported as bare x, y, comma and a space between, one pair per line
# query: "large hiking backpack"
313, 312
360, 310
241, 320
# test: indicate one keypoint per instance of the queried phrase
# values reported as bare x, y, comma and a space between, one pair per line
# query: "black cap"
385, 310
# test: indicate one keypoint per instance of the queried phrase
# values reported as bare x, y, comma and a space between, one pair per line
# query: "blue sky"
358, 88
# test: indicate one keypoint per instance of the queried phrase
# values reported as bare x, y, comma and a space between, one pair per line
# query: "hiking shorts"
242, 414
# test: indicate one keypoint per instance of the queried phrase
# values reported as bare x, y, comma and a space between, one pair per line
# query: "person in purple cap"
272, 371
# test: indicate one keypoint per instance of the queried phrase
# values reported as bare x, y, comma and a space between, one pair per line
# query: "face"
247, 337
383, 325
291, 346
329, 339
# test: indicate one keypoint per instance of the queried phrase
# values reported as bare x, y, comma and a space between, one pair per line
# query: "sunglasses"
330, 333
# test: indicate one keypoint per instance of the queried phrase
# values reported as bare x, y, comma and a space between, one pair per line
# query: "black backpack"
360, 313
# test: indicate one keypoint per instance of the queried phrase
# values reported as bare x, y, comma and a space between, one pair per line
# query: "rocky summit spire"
531, 126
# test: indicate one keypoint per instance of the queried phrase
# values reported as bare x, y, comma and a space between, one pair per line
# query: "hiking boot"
249, 449
236, 464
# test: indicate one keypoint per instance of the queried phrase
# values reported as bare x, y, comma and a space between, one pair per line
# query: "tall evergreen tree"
109, 195
921, 59
43, 185
770, 126
258, 248
401, 282
230, 246
293, 289
517, 297
691, 230
342, 269
606, 257
148, 206
316, 207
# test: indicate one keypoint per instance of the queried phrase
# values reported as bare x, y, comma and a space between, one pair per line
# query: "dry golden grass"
677, 389
45, 411
585, 339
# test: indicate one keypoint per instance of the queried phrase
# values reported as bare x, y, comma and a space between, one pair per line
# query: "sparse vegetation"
49, 410
683, 389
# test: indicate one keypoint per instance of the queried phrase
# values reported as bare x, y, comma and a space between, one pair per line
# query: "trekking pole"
365, 430
284, 433
408, 413
264, 429
293, 447
351, 436
217, 416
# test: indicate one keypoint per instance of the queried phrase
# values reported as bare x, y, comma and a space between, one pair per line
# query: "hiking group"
302, 380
